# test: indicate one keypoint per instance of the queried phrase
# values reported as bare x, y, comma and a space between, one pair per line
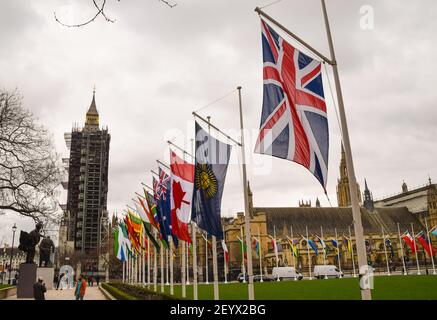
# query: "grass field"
385, 288
3, 286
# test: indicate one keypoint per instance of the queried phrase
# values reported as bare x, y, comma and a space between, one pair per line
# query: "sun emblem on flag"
205, 180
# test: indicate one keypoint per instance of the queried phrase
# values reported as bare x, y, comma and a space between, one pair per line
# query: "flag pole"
402, 251
187, 259
352, 251
308, 251
206, 259
155, 265
260, 256
214, 247
415, 249
358, 225
193, 232
292, 253
194, 239
338, 252
170, 253
275, 250
148, 263
124, 267
291, 34
162, 267
215, 268
247, 213
430, 243
324, 251
224, 257
385, 251
242, 255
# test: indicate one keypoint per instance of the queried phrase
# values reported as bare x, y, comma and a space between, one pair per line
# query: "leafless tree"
100, 11
30, 170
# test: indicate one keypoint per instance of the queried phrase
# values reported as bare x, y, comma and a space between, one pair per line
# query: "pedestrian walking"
79, 292
39, 289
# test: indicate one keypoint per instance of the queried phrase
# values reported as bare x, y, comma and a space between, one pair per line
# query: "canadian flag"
182, 184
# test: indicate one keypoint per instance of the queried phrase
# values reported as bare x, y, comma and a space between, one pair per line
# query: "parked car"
257, 278
242, 277
330, 271
286, 273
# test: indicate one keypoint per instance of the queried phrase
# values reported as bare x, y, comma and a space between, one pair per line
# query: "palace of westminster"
86, 227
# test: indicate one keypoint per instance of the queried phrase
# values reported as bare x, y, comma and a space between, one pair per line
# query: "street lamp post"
14, 228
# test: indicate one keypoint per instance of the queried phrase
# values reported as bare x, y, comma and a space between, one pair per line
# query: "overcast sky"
155, 65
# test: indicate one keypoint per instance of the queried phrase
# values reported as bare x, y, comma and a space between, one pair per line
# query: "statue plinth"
27, 272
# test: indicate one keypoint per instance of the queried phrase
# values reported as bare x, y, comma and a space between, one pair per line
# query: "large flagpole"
247, 213
430, 243
352, 251
358, 225
402, 251
415, 249
385, 251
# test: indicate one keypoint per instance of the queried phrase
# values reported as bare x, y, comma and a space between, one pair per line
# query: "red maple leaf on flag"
178, 195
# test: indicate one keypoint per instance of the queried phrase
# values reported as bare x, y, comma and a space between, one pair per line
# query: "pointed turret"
368, 198
92, 116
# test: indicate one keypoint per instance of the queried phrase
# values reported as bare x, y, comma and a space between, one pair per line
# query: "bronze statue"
46, 247
28, 241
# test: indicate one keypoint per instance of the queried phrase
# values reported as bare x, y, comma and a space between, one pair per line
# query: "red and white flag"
410, 241
182, 184
225, 251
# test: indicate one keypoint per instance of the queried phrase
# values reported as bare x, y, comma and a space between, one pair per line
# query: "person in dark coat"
39, 289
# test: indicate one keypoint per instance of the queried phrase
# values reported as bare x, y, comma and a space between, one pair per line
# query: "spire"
368, 198
92, 116
404, 187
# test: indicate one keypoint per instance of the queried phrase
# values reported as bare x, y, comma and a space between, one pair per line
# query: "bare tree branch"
101, 11
30, 171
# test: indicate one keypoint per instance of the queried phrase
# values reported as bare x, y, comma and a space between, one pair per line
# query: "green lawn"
385, 288
3, 286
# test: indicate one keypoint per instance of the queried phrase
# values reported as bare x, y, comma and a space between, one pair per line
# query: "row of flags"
182, 192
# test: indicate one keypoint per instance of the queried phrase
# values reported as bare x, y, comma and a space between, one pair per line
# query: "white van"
330, 271
286, 273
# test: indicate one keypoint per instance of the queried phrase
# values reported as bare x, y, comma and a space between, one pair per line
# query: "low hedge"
124, 291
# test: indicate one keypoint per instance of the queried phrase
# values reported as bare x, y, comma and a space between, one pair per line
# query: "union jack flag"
294, 123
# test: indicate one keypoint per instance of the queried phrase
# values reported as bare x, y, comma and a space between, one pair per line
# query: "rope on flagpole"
217, 100
333, 99
271, 4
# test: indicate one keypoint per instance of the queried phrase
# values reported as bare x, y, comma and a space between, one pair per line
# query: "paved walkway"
92, 293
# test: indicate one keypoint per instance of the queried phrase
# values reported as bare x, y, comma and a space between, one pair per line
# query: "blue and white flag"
211, 165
